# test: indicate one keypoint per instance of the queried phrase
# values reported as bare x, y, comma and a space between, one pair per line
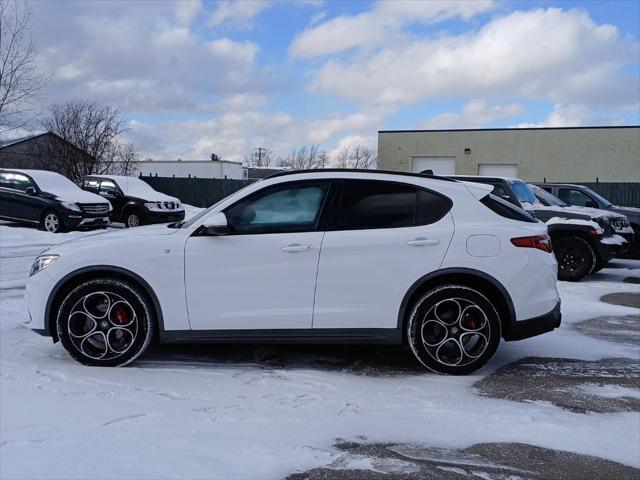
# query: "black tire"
101, 309
431, 335
132, 218
599, 265
51, 222
576, 259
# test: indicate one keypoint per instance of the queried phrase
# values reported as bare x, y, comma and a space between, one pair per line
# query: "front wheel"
105, 322
576, 259
51, 222
453, 330
132, 219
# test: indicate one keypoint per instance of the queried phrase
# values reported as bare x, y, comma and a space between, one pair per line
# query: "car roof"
487, 177
110, 177
359, 170
560, 184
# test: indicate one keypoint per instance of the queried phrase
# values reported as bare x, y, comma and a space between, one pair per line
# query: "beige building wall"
611, 154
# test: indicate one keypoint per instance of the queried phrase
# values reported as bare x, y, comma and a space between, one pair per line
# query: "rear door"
28, 206
383, 237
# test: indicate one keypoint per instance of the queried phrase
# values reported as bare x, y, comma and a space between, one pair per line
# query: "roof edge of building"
515, 129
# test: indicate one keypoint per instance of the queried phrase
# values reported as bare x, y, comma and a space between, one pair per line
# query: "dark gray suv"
582, 196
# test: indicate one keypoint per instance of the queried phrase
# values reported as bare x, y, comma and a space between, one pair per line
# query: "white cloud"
476, 113
572, 116
237, 13
544, 54
140, 58
187, 10
375, 26
322, 130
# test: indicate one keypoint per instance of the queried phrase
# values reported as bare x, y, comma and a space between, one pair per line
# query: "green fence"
199, 192
627, 194
203, 192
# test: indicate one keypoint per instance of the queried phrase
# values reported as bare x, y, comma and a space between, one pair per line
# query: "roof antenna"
427, 172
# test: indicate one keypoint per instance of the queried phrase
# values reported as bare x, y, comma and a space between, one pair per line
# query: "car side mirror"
591, 204
30, 191
216, 225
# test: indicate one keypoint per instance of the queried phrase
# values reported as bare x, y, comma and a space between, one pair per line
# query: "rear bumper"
521, 329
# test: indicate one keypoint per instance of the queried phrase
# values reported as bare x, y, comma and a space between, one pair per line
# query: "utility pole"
260, 155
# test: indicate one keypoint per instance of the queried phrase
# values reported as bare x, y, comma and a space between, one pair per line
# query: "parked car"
582, 196
50, 200
329, 256
134, 202
624, 238
582, 242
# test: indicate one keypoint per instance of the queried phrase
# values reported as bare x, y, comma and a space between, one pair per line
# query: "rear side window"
372, 204
431, 207
91, 183
506, 209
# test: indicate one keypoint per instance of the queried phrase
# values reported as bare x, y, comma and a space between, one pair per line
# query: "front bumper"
521, 329
163, 217
75, 220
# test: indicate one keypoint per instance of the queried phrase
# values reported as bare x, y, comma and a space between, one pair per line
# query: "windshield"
522, 192
134, 187
545, 197
600, 198
52, 182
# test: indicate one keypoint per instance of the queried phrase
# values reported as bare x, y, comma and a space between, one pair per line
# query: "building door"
498, 169
439, 165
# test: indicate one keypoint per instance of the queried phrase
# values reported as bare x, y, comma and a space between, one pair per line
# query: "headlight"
71, 206
153, 206
42, 262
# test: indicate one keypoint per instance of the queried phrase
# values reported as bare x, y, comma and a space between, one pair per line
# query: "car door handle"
421, 242
296, 247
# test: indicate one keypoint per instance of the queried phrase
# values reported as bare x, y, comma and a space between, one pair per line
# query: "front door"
262, 274
386, 236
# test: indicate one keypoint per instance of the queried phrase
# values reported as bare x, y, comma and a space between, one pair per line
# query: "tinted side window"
371, 204
574, 197
287, 209
108, 186
431, 207
21, 182
91, 183
6, 180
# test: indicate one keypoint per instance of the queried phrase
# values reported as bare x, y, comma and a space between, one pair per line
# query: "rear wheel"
105, 322
453, 329
576, 258
51, 222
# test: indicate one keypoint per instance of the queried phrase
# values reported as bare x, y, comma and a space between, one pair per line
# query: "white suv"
328, 256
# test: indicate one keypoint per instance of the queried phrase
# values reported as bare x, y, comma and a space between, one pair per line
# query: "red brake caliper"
121, 315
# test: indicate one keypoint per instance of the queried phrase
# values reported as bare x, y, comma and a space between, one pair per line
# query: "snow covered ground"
209, 412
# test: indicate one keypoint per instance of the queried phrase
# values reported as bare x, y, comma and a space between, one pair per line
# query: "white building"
191, 168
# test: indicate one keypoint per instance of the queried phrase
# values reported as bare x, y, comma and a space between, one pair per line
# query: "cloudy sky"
195, 77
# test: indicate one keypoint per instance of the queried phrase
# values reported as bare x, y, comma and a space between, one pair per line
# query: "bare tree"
95, 130
20, 81
342, 157
361, 157
323, 159
302, 158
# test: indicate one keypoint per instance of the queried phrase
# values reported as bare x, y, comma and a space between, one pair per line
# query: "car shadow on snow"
368, 360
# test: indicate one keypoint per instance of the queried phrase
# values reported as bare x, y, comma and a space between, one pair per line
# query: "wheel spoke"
102, 325
455, 332
95, 346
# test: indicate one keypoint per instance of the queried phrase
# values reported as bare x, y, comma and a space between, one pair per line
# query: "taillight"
541, 242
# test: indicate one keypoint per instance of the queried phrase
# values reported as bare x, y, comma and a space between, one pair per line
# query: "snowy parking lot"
562, 405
